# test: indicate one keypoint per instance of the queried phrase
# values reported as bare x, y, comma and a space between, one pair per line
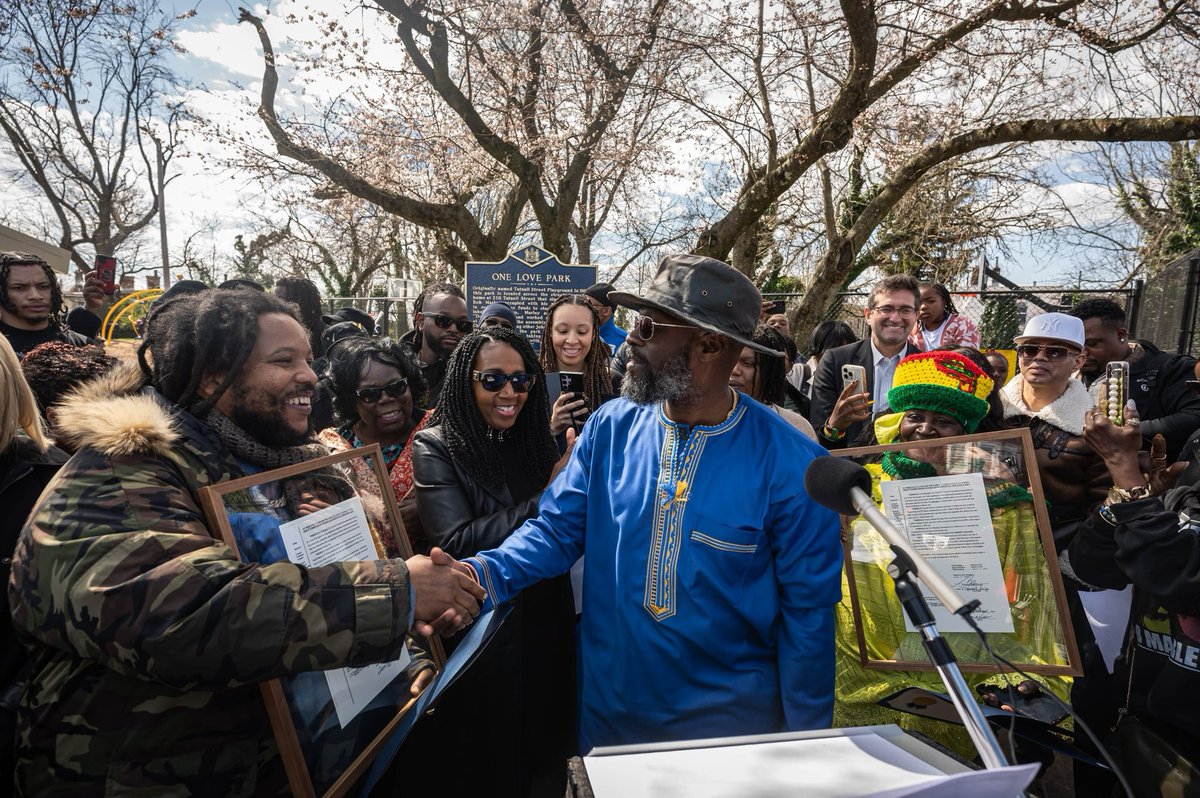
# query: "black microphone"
844, 486
828, 481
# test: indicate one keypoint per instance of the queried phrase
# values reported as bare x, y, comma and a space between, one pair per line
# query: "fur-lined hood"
113, 415
1066, 412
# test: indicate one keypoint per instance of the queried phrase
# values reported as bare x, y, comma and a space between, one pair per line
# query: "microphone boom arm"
920, 566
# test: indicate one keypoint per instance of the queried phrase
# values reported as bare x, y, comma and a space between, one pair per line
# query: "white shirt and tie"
885, 370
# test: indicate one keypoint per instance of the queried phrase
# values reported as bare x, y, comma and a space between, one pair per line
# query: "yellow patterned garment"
1037, 637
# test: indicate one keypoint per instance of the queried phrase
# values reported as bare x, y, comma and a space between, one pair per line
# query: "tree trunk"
826, 282
744, 255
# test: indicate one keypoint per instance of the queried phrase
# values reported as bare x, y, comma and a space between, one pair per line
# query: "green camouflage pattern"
149, 637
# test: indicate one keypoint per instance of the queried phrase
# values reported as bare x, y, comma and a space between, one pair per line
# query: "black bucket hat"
705, 292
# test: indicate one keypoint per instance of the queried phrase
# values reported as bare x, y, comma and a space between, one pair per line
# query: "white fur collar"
1066, 412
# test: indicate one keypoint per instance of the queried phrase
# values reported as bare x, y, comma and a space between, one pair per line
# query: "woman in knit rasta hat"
935, 395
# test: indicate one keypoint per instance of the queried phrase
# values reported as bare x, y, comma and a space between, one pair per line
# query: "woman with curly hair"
571, 343
479, 470
373, 381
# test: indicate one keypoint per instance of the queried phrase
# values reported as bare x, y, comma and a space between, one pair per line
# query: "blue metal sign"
529, 280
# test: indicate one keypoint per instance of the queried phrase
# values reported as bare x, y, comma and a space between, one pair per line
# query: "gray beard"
673, 382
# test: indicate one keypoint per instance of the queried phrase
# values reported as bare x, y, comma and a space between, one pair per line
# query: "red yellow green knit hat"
944, 382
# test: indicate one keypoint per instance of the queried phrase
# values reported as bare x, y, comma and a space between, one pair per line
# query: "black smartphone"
1038, 706
572, 382
778, 306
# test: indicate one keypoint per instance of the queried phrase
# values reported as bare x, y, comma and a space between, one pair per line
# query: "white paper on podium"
1005, 782
852, 766
340, 533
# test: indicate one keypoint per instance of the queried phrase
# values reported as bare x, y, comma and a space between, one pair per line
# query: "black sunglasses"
493, 381
1030, 351
394, 389
644, 325
443, 322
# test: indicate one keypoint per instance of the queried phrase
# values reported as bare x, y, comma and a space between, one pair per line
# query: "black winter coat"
514, 708
1165, 403
1156, 548
459, 514
24, 473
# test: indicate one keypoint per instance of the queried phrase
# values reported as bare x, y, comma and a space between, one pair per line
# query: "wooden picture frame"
998, 450
305, 751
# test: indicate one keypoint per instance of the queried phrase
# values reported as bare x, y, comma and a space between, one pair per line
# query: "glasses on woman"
644, 325
493, 381
443, 322
394, 389
1030, 351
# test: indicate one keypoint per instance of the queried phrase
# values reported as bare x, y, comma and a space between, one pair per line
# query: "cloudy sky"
223, 68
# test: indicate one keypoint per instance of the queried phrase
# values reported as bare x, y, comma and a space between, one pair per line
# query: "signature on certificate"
969, 584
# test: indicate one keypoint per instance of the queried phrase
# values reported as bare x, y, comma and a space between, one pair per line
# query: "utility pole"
162, 212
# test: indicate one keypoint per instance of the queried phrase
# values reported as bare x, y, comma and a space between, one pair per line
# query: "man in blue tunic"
710, 575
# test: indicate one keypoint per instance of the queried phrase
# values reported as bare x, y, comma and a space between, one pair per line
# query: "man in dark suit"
841, 413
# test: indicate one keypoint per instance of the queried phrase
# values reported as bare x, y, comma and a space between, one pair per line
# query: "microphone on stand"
844, 487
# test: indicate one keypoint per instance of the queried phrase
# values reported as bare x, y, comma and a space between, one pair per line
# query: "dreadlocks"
770, 376
472, 443
597, 381
201, 335
10, 259
436, 289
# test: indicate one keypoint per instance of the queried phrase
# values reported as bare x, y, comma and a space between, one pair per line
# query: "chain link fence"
393, 315
1168, 306
1000, 315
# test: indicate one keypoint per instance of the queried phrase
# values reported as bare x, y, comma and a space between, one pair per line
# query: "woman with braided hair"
571, 342
479, 469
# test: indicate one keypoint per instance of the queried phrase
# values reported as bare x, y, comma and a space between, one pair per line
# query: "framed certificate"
974, 507
329, 724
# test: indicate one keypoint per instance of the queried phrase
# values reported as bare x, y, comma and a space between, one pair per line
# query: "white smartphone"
852, 373
1116, 384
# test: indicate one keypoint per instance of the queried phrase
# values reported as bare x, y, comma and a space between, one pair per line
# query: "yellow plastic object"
123, 306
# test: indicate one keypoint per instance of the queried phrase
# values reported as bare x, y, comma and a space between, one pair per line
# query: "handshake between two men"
446, 597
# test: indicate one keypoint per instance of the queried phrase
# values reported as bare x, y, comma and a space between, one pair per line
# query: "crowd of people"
636, 494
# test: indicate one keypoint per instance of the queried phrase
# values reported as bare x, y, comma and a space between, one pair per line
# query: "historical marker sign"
528, 280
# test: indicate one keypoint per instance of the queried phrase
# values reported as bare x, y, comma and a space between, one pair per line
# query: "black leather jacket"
458, 513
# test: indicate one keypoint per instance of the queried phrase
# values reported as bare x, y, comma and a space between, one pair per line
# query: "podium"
857, 762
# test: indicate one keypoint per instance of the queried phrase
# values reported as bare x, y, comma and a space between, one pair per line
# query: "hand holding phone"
1116, 391
856, 374
106, 272
572, 382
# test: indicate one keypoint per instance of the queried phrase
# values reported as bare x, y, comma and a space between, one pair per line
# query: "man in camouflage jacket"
149, 637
